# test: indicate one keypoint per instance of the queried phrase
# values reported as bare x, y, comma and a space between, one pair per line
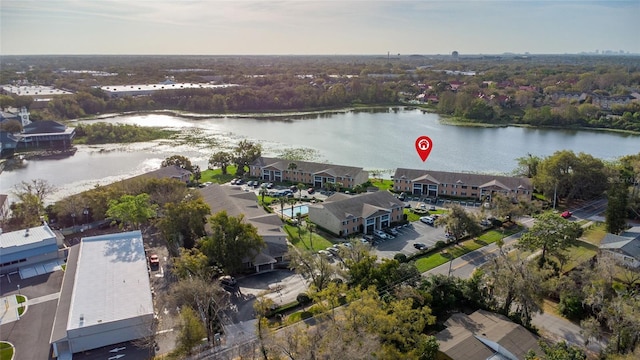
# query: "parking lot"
415, 232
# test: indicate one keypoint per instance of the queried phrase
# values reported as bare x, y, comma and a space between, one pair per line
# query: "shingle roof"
627, 243
309, 167
171, 172
364, 205
470, 337
44, 127
480, 180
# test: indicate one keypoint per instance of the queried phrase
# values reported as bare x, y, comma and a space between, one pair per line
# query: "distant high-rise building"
454, 55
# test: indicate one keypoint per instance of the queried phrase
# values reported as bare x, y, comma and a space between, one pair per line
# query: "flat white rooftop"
163, 86
32, 235
33, 90
111, 282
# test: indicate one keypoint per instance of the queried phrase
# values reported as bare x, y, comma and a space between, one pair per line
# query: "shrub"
303, 299
440, 244
570, 306
400, 257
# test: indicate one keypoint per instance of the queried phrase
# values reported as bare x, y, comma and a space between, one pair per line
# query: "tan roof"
473, 337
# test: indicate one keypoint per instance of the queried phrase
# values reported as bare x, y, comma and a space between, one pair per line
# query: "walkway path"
9, 306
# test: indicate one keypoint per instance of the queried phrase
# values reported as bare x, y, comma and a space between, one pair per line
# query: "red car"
154, 261
567, 214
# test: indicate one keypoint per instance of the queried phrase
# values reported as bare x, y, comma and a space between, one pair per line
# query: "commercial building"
434, 184
28, 247
306, 172
346, 215
118, 91
106, 295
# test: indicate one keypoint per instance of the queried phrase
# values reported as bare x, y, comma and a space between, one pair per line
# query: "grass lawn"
319, 242
216, 176
20, 299
382, 184
594, 234
579, 255
436, 259
6, 351
411, 216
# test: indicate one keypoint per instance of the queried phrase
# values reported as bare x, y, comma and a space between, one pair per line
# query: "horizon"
318, 28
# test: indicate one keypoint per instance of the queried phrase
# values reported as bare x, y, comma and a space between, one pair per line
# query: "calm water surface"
380, 140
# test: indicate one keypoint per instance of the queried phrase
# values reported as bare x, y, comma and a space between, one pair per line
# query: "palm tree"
300, 187
310, 227
282, 201
292, 166
263, 192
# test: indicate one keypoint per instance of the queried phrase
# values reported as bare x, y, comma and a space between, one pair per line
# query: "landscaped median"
440, 255
6, 351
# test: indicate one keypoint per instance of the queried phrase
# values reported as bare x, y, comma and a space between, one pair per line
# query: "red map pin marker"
423, 147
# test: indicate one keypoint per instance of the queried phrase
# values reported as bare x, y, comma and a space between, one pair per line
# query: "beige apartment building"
306, 172
346, 215
434, 184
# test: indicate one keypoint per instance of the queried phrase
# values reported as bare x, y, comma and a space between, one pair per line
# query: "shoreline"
444, 119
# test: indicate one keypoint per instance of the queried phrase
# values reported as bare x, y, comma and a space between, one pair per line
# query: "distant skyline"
305, 27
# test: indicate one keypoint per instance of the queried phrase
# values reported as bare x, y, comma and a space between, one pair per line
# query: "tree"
11, 126
221, 159
178, 160
459, 223
191, 331
232, 242
314, 267
206, 298
550, 233
131, 210
27, 210
183, 223
570, 176
6, 101
193, 263
616, 212
558, 351
528, 165
245, 153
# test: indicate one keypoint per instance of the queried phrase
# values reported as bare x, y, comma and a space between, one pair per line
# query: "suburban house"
624, 248
105, 297
346, 215
484, 335
169, 172
466, 185
311, 173
235, 202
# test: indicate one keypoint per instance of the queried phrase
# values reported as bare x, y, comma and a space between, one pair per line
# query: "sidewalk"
9, 312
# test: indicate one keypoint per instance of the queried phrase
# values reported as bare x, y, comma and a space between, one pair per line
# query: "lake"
382, 140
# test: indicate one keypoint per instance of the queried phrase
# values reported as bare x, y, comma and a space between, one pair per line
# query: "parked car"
420, 246
311, 190
325, 253
332, 250
432, 208
429, 220
381, 234
567, 214
228, 281
392, 231
293, 188
154, 261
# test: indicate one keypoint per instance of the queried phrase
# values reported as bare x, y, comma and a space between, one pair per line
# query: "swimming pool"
302, 209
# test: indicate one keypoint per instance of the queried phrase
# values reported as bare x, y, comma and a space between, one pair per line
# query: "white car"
381, 234
429, 220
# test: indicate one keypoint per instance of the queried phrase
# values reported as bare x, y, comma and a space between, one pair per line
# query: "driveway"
416, 232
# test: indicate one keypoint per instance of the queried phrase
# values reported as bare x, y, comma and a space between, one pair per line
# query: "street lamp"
19, 290
85, 212
73, 217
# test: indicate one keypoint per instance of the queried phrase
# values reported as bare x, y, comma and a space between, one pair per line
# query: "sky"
320, 27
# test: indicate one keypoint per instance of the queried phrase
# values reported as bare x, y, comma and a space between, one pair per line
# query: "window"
464, 193
464, 186
474, 188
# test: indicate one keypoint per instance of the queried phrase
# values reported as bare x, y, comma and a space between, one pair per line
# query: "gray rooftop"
481, 180
363, 205
628, 242
309, 167
24, 237
111, 280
